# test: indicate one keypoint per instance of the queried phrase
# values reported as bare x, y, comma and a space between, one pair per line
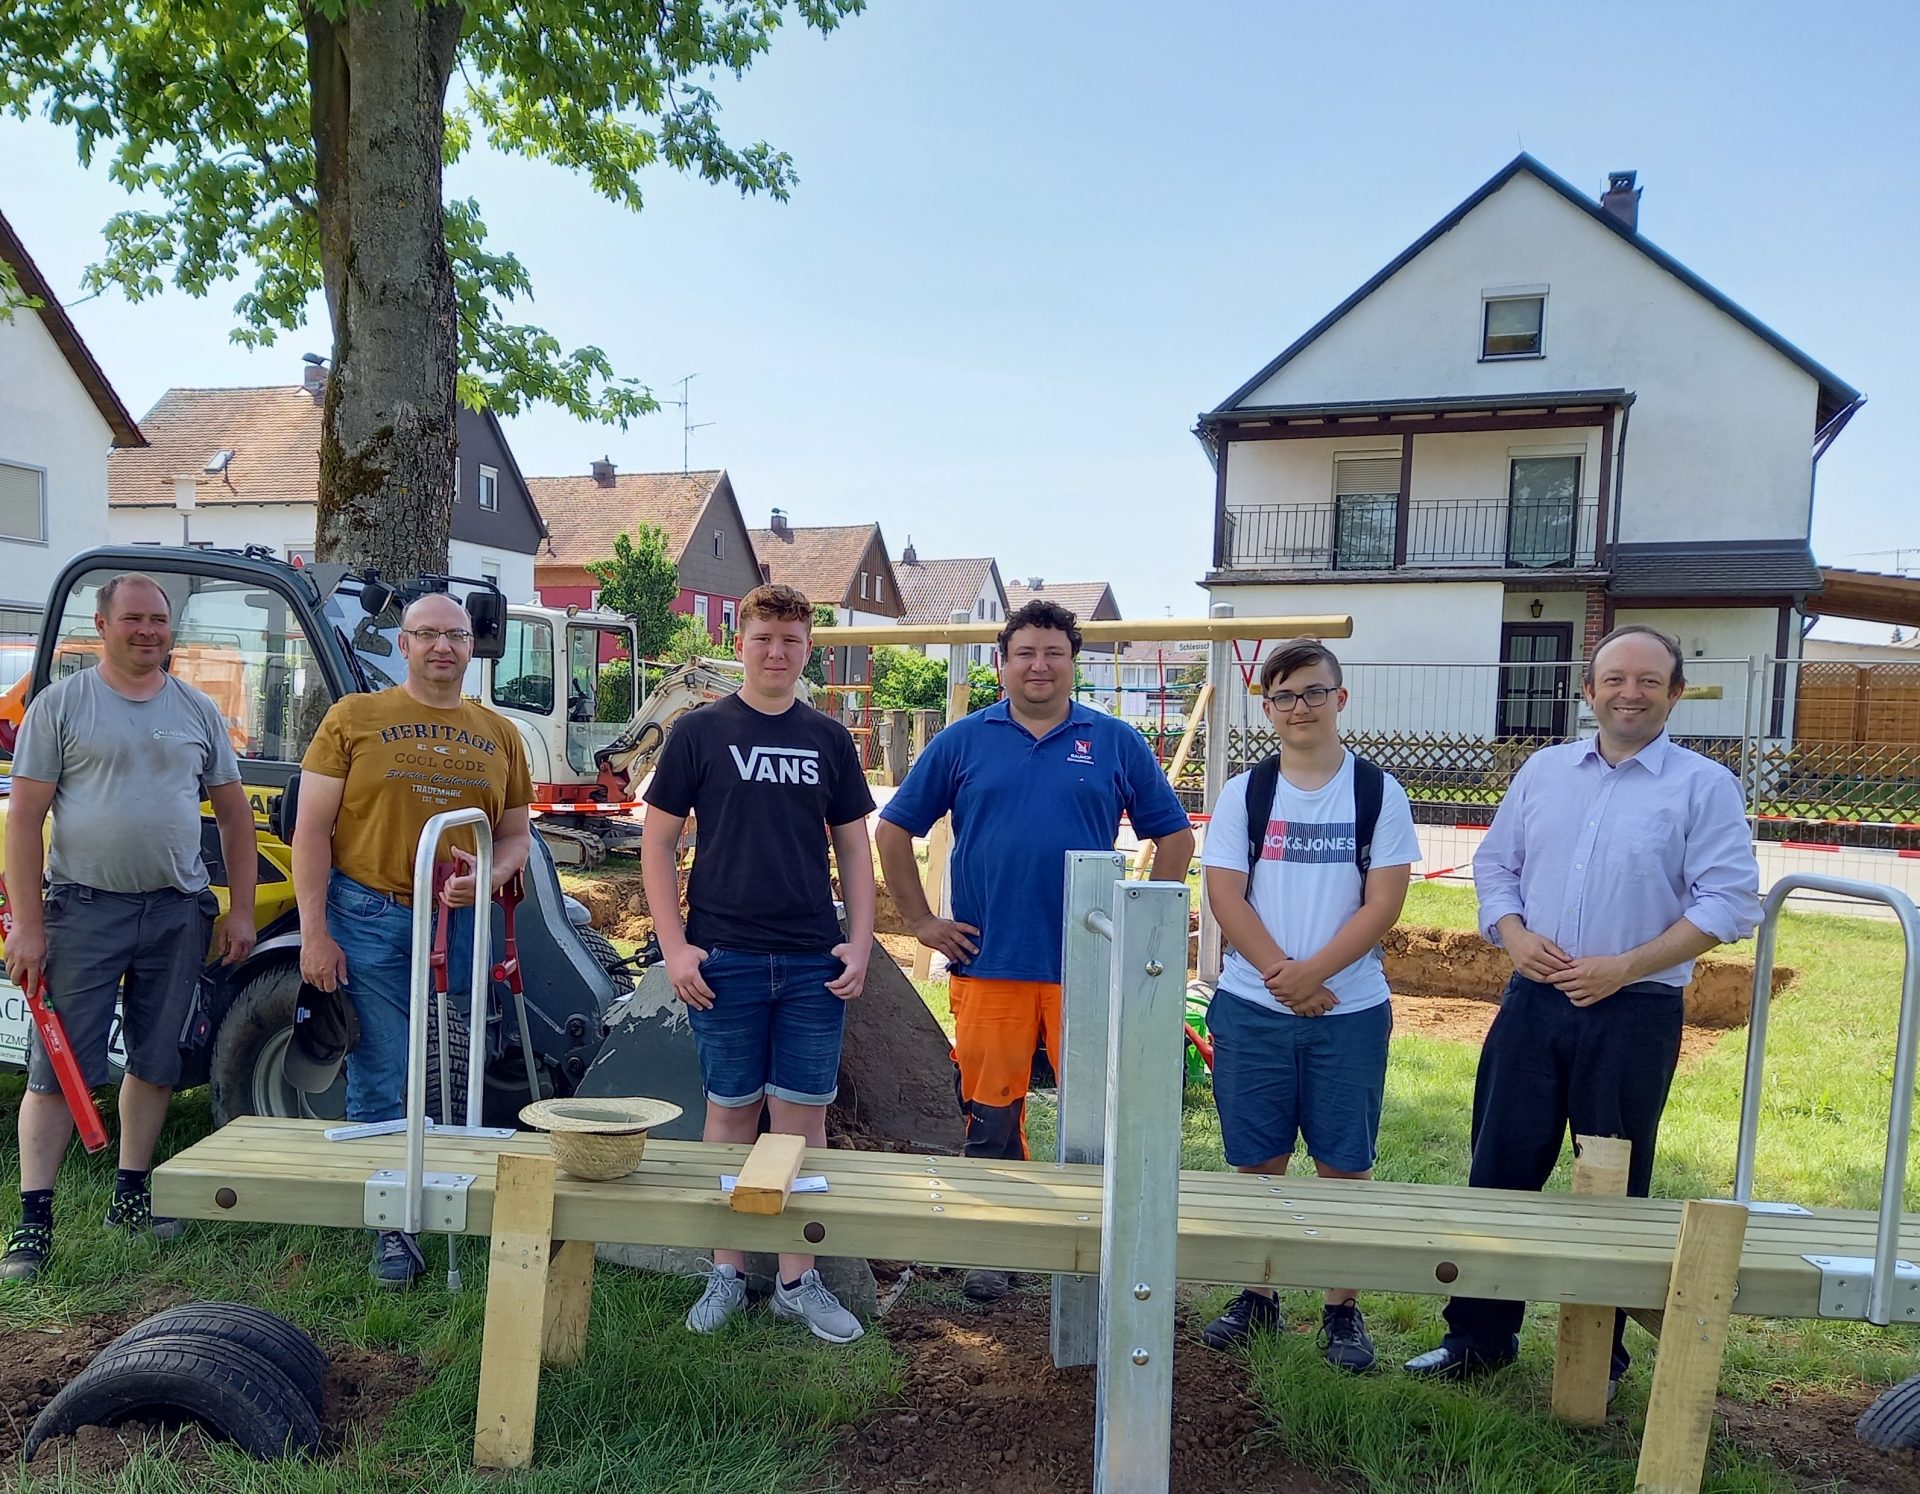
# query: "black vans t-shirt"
765, 789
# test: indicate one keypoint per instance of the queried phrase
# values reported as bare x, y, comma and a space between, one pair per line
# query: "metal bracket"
1755, 1206
1846, 1280
443, 1200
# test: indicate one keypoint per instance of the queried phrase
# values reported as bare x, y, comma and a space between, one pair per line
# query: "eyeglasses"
1314, 695
430, 636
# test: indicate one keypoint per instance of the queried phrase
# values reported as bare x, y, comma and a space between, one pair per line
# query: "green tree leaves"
642, 582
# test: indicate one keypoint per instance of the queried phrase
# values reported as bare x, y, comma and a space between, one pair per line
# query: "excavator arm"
623, 762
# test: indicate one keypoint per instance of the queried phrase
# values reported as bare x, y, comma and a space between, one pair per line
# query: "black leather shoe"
1444, 1363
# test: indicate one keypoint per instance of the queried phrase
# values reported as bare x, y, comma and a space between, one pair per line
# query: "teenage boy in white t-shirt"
1301, 1019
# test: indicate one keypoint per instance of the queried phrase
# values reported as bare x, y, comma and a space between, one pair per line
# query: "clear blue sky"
1031, 241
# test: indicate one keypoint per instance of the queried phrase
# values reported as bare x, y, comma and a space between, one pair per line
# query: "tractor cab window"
599, 689
523, 676
238, 641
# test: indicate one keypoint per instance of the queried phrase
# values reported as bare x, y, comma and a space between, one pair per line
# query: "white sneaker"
725, 1295
811, 1303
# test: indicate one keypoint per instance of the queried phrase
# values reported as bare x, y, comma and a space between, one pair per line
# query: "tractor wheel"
250, 1052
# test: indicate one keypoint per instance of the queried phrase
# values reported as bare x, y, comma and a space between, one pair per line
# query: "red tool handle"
507, 968
53, 1036
1200, 1046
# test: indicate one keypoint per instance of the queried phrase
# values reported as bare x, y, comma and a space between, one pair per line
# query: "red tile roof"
822, 560
584, 518
274, 434
933, 590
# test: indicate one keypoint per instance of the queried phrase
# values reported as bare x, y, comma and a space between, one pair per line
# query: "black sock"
791, 1286
36, 1206
129, 1181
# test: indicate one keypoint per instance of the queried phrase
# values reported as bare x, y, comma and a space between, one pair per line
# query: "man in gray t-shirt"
121, 755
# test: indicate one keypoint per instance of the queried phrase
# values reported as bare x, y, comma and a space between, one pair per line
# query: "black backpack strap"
1369, 788
1262, 783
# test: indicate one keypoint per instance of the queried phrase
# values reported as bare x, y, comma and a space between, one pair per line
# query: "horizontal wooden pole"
1115, 630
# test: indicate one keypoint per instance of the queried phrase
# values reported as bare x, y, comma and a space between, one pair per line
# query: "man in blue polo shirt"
1026, 781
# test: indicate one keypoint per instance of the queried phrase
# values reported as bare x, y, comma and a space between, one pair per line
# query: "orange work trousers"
996, 1025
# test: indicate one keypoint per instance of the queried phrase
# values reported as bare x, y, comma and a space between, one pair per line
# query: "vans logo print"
1082, 750
777, 764
1287, 841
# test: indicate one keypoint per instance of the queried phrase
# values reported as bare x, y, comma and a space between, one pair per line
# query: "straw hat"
599, 1139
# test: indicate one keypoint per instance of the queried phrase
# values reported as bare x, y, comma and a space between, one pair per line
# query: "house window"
490, 571
489, 487
1366, 508
980, 610
456, 479
1543, 499
719, 544
23, 503
727, 619
301, 553
879, 588
863, 586
700, 609
1511, 326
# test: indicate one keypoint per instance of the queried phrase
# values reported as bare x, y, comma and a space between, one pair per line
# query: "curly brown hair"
776, 603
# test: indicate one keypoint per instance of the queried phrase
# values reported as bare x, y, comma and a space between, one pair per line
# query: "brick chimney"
313, 376
603, 473
778, 524
1622, 199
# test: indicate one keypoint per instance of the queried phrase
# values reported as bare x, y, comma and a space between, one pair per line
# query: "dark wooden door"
1536, 679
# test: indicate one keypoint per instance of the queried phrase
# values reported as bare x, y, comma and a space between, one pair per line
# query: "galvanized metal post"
1906, 1064
1081, 1067
1220, 671
1140, 1194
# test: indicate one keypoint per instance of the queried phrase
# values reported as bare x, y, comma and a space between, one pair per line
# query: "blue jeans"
376, 934
773, 1029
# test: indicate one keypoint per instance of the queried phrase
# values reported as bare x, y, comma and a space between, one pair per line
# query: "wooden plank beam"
766, 1177
1106, 630
516, 1311
1583, 1348
563, 1331
1706, 1269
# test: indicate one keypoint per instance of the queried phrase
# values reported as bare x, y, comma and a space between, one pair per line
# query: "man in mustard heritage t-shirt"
380, 767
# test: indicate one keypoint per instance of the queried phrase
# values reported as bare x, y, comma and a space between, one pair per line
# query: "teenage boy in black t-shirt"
760, 962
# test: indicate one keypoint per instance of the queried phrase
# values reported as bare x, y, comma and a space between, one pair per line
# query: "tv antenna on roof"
687, 423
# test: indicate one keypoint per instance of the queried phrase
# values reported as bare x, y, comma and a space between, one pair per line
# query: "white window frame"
863, 586
729, 615
456, 479
490, 571
879, 588
719, 544
700, 610
43, 474
489, 485
1511, 293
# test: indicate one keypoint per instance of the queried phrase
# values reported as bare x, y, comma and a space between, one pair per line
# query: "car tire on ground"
266, 1334
236, 1393
1893, 1421
248, 1074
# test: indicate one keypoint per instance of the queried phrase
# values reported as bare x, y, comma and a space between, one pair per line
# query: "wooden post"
1583, 1353
1143, 857
1706, 1270
766, 1177
895, 748
563, 1335
517, 1269
940, 839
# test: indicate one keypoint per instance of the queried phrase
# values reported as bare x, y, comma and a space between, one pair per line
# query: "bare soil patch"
1463, 1019
1810, 1437
363, 1388
984, 1409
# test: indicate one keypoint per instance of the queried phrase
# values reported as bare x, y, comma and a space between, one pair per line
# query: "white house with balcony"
1532, 426
59, 417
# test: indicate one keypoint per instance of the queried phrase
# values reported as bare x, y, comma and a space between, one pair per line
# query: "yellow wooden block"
1583, 1348
766, 1178
516, 1311
1686, 1376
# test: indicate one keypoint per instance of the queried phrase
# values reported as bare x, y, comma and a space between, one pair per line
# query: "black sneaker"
1343, 1334
28, 1248
1247, 1314
133, 1213
397, 1261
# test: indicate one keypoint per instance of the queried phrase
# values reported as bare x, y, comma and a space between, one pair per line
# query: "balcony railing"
1362, 534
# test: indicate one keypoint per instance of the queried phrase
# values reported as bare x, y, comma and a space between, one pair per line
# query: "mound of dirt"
1424, 961
982, 1408
363, 1388
1810, 1436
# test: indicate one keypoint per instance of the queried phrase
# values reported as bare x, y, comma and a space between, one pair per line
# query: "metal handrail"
1906, 1054
422, 989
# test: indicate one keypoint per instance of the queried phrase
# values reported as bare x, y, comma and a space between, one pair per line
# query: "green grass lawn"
758, 1409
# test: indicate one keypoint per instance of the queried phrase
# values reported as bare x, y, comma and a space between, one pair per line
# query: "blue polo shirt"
1018, 806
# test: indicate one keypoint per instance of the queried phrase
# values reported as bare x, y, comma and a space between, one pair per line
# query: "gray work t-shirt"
126, 814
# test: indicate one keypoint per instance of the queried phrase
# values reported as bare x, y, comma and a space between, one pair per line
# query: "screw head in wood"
814, 1232
226, 1198
1446, 1271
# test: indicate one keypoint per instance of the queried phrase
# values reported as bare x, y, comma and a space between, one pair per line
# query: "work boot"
1343, 1334
28, 1248
397, 1261
987, 1286
725, 1295
132, 1213
811, 1303
1246, 1315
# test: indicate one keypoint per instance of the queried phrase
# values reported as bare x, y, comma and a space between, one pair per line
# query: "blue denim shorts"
1276, 1076
773, 1029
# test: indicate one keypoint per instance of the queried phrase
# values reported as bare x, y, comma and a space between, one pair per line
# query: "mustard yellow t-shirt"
403, 763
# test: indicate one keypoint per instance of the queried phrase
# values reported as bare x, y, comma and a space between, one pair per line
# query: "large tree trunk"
379, 81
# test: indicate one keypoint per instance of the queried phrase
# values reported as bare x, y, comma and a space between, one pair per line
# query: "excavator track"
572, 848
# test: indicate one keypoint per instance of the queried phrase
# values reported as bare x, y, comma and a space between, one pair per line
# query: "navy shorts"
773, 1029
1276, 1076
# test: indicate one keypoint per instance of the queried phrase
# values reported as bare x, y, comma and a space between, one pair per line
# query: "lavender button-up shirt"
1601, 858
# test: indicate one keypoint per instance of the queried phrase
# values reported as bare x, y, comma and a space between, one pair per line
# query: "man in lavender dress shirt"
1609, 867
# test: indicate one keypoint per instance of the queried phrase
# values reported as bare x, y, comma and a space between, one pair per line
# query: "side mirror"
487, 611
284, 813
